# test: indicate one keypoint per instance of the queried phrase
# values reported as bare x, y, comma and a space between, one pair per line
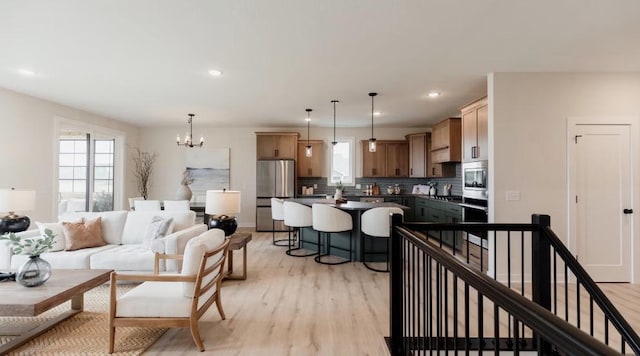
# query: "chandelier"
188, 138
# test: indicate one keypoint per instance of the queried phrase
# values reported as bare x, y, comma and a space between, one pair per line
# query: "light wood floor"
294, 306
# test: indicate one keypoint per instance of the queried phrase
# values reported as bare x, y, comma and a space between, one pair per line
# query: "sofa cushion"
112, 223
125, 258
193, 252
137, 222
156, 229
83, 235
78, 259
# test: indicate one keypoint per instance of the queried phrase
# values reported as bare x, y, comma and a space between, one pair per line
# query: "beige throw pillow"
83, 235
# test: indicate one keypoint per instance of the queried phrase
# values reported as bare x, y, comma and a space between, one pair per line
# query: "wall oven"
475, 211
475, 180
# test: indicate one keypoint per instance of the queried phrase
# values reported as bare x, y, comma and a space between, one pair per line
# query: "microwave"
475, 180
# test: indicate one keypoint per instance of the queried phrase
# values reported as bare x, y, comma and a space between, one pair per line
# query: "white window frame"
352, 162
62, 123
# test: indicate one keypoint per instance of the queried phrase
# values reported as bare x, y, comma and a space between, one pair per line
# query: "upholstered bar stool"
375, 224
297, 216
328, 219
277, 214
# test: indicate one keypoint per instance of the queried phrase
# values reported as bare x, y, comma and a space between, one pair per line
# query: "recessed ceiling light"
215, 73
433, 94
27, 72
377, 113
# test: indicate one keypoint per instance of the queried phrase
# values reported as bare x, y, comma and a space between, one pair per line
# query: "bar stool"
328, 219
297, 216
376, 224
277, 214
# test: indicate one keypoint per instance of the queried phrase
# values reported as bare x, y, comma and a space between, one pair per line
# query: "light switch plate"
315, 186
513, 195
358, 186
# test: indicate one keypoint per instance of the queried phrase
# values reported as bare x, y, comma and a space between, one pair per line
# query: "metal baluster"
446, 312
466, 317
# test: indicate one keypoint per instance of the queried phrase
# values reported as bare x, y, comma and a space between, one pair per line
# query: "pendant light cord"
334, 122
372, 95
308, 121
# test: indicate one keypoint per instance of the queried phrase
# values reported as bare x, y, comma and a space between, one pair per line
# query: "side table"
237, 241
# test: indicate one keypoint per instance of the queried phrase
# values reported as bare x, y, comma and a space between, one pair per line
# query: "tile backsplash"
405, 183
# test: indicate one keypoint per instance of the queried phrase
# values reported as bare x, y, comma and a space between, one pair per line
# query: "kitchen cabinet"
391, 159
374, 163
438, 170
276, 145
475, 131
436, 211
310, 166
397, 159
417, 154
446, 141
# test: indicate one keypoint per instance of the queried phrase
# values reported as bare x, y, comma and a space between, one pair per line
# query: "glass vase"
34, 272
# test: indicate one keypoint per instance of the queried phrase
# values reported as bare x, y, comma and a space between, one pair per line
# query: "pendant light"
188, 138
372, 140
334, 122
308, 151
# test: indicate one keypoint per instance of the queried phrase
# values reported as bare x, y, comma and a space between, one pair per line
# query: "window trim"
62, 123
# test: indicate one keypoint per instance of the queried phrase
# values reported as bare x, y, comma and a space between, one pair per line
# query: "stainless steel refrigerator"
274, 178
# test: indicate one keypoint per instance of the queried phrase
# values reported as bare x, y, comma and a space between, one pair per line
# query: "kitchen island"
309, 237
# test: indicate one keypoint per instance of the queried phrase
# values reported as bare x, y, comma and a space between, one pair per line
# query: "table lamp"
11, 201
222, 205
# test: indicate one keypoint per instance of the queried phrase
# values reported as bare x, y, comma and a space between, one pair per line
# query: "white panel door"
602, 177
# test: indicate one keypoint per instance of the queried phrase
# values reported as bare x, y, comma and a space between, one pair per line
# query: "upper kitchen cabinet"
446, 141
438, 170
397, 159
276, 145
374, 163
417, 154
475, 131
391, 159
310, 166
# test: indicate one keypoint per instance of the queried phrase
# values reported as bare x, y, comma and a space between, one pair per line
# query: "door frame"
634, 135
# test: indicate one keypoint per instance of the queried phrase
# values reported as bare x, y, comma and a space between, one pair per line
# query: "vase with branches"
143, 163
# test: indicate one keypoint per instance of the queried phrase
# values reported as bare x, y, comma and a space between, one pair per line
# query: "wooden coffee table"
64, 285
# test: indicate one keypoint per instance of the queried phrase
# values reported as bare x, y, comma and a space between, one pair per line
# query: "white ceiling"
146, 61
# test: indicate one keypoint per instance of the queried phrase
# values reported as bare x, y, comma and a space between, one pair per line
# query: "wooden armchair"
177, 300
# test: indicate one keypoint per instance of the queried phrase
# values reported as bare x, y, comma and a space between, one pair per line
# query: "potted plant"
143, 163
339, 189
35, 271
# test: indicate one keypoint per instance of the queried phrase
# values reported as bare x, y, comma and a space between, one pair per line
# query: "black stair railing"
433, 306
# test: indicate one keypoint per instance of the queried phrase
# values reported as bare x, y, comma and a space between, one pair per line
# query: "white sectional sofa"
123, 232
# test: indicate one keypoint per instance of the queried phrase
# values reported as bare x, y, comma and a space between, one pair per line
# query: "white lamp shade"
17, 200
222, 202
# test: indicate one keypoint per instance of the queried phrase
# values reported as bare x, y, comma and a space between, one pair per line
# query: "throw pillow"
56, 228
83, 235
154, 233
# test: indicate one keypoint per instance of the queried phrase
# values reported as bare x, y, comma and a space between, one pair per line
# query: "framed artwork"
209, 168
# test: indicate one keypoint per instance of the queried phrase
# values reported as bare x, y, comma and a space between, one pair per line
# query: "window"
342, 162
79, 184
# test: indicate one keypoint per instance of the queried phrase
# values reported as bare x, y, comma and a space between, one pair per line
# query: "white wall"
528, 133
242, 144
28, 144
